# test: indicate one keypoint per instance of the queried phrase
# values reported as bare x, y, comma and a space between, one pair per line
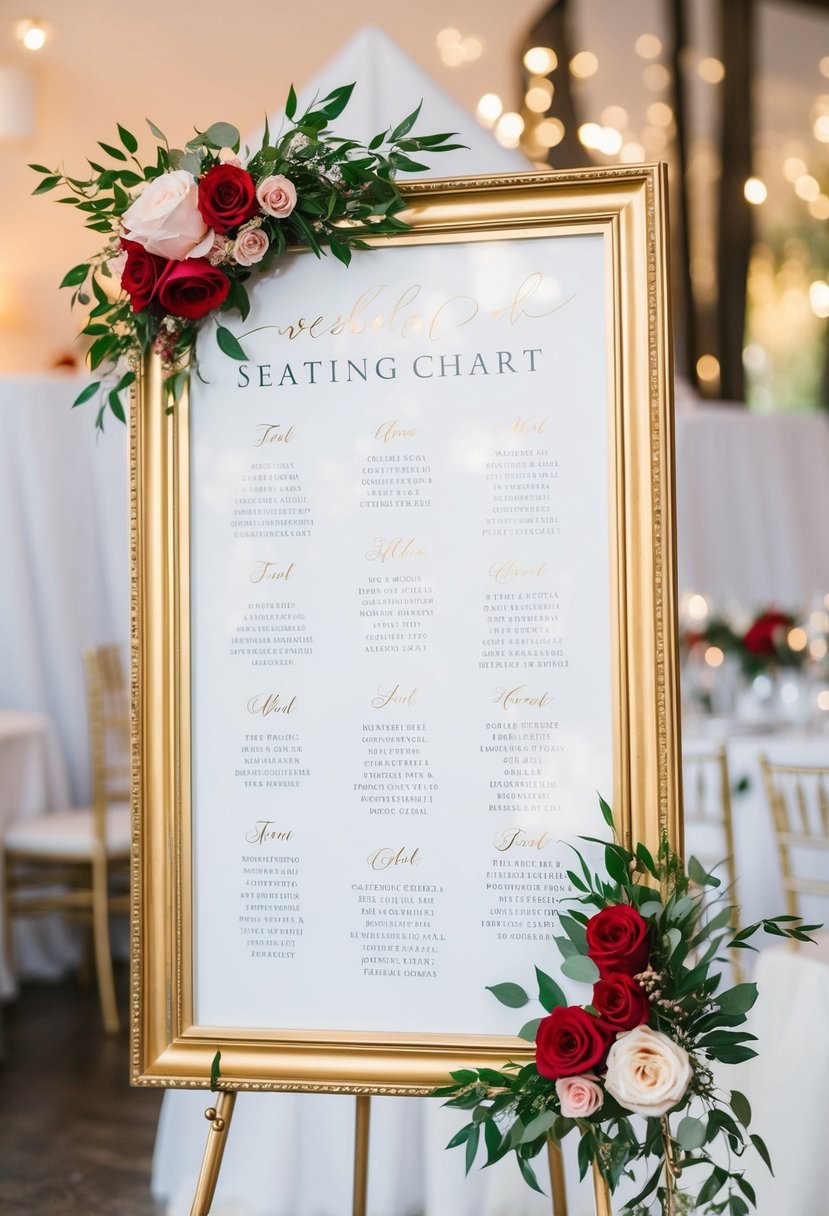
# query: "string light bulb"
32, 32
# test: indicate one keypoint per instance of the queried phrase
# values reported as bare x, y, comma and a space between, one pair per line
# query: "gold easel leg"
601, 1192
219, 1117
557, 1179
361, 1125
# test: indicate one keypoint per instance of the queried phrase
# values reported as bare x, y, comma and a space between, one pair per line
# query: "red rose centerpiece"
192, 289
227, 197
141, 274
621, 1002
762, 637
617, 940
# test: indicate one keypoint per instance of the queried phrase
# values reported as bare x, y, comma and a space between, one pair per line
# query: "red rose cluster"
571, 1041
760, 638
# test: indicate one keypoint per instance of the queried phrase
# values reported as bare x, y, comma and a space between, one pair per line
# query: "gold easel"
219, 1117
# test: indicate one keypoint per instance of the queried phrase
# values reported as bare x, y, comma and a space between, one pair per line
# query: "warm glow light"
541, 60
820, 128
452, 56
697, 608
632, 154
656, 77
708, 368
819, 620
610, 141
755, 191
823, 700
714, 656
660, 114
489, 109
448, 37
472, 48
455, 50
819, 207
614, 116
819, 298
584, 64
711, 70
539, 97
807, 187
754, 357
648, 46
818, 648
793, 168
550, 132
32, 33
589, 134
797, 638
509, 129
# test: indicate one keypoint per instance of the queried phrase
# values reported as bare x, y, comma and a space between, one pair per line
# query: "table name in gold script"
264, 571
508, 571
387, 431
266, 703
380, 309
272, 432
509, 698
263, 831
536, 425
392, 549
383, 859
518, 838
393, 697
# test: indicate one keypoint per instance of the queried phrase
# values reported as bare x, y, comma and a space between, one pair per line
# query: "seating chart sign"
416, 543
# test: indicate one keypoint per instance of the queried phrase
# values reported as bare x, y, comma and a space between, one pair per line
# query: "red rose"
140, 275
570, 1041
192, 288
227, 197
617, 940
760, 638
621, 1002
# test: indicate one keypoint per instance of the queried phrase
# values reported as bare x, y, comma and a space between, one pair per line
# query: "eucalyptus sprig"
339, 191
681, 926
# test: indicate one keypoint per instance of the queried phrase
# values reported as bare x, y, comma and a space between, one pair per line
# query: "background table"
32, 780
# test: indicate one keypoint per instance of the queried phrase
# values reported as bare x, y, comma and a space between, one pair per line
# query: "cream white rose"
647, 1072
250, 246
165, 218
579, 1096
276, 195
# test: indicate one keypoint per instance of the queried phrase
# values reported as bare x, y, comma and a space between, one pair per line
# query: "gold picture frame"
626, 208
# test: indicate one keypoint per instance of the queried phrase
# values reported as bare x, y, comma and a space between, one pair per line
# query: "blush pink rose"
165, 218
276, 196
580, 1097
250, 246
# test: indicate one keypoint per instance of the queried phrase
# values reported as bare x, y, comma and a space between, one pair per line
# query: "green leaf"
607, 813
128, 139
40, 169
75, 276
737, 1206
672, 939
539, 1126
529, 1030
528, 1174
156, 131
512, 995
214, 1072
760, 1145
115, 153
290, 104
741, 1106
126, 380
712, 1186
462, 1136
407, 164
492, 1140
691, 1133
116, 406
222, 135
549, 993
472, 1141
700, 876
581, 968
747, 1189
738, 999
336, 101
89, 391
47, 184
575, 931
341, 252
229, 344
646, 859
651, 908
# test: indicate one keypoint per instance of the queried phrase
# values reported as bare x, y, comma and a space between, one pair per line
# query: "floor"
75, 1139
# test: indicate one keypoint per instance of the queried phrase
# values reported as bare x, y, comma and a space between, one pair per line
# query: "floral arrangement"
185, 231
649, 943
761, 644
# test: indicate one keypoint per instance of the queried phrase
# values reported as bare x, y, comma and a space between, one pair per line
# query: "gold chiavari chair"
76, 861
798, 797
707, 803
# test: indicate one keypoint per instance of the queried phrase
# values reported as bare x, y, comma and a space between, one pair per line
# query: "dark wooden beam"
553, 29
735, 226
685, 313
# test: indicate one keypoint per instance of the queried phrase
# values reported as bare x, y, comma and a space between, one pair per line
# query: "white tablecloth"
32, 780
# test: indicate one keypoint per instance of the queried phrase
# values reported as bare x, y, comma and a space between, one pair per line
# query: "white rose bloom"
647, 1072
166, 220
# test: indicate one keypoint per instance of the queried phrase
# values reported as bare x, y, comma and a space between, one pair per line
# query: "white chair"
76, 861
